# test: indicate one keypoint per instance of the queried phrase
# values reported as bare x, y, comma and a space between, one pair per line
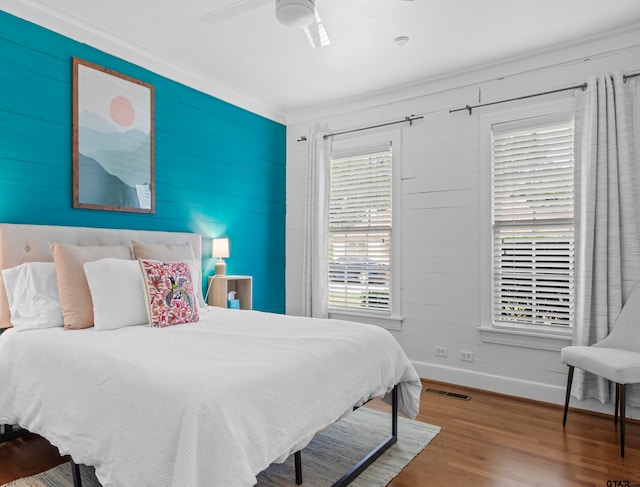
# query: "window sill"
388, 322
525, 338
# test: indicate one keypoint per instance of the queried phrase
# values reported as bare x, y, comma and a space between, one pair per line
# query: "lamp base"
221, 268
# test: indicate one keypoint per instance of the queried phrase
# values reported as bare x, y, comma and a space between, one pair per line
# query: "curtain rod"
632, 75
583, 86
410, 119
469, 108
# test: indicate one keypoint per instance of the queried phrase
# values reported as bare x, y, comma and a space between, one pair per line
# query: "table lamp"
221, 251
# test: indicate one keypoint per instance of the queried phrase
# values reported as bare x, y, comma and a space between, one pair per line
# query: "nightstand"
221, 286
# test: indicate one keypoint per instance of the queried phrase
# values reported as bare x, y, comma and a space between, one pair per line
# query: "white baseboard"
511, 386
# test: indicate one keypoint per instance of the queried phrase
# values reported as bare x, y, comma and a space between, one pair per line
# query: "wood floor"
490, 440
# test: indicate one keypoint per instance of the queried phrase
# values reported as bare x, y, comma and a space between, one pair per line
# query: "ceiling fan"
292, 13
301, 14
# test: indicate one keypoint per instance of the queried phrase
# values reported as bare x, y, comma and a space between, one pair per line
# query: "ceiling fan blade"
316, 32
322, 32
229, 9
309, 36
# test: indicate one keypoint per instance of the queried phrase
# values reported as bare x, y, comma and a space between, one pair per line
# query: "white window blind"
533, 226
360, 233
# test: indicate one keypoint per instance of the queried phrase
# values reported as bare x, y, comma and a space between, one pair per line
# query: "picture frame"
113, 140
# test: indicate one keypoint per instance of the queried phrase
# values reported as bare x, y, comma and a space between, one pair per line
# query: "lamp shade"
220, 248
295, 13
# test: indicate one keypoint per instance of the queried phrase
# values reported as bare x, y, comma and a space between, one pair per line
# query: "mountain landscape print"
113, 141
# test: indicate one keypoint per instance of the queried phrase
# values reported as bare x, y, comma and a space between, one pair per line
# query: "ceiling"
253, 61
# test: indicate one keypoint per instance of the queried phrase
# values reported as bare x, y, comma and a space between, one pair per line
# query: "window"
532, 201
362, 264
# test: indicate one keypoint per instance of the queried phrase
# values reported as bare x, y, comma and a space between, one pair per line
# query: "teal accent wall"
220, 170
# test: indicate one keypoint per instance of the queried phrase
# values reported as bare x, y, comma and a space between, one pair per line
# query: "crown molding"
69, 26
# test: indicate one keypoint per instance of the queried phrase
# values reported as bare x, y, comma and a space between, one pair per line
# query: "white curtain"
316, 230
607, 216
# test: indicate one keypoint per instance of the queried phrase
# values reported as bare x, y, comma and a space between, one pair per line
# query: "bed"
197, 404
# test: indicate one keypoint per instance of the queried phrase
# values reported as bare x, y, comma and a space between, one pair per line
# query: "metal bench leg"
373, 455
75, 472
298, 459
368, 459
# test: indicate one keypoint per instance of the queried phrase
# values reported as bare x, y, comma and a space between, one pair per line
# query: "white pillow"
32, 292
196, 278
117, 292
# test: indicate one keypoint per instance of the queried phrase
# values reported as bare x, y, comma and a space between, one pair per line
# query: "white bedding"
203, 404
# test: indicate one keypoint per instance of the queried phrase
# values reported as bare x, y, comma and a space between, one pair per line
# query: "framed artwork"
113, 140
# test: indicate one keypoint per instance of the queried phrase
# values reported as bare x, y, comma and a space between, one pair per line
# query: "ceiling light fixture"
401, 41
295, 13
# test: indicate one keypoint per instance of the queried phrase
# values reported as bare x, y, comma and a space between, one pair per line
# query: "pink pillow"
73, 289
169, 292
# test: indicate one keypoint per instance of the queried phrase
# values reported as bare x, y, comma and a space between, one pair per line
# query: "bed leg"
75, 472
373, 455
394, 414
298, 460
8, 432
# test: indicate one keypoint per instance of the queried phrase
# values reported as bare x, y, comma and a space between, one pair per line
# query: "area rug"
329, 455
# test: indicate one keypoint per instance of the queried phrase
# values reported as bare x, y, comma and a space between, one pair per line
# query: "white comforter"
204, 404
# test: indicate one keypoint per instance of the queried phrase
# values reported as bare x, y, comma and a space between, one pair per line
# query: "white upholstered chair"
616, 358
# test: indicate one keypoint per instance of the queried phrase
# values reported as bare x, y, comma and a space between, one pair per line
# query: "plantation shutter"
533, 226
360, 232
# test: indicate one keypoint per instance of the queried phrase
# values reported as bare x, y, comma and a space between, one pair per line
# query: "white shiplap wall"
442, 210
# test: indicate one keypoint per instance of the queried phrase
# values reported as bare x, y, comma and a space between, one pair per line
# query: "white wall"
442, 187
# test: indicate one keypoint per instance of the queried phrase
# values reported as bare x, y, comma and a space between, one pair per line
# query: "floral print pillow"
170, 296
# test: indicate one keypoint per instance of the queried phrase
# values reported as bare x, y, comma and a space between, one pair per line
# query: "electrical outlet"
442, 352
466, 356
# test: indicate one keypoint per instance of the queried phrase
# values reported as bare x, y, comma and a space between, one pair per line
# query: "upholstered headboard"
21, 243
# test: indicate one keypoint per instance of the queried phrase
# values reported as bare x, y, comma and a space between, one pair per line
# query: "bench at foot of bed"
370, 457
348, 477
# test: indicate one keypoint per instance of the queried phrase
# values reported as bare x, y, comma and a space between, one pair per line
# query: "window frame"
361, 144
545, 337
